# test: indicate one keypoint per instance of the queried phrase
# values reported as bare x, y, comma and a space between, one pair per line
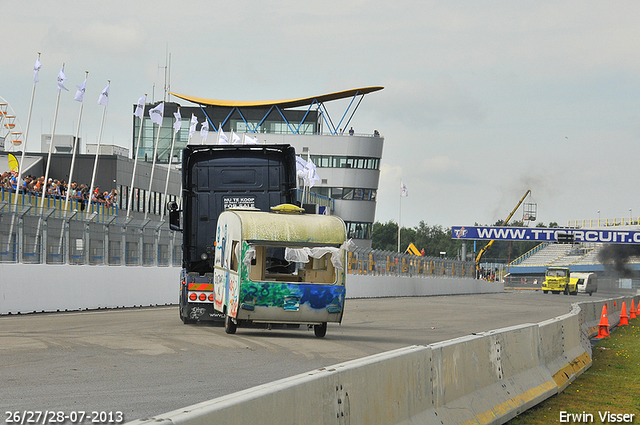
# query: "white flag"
178, 124
301, 166
311, 176
204, 131
248, 140
307, 171
61, 79
80, 93
403, 190
192, 125
36, 71
222, 138
156, 114
104, 97
235, 139
139, 112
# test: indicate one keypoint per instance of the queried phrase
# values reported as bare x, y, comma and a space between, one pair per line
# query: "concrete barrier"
490, 377
486, 378
363, 286
28, 288
562, 348
46, 288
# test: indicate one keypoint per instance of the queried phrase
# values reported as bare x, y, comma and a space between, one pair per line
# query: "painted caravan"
280, 267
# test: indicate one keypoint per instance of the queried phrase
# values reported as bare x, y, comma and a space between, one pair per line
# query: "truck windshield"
288, 264
557, 273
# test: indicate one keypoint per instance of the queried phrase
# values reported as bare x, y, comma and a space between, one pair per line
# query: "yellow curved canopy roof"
286, 103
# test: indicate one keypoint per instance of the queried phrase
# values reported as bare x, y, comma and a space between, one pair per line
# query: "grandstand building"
348, 164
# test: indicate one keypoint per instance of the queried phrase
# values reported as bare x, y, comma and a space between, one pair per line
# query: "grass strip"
610, 386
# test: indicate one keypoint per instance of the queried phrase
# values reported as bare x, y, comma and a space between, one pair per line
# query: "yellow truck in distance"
558, 279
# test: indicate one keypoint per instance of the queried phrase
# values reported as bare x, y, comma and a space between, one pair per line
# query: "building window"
348, 193
330, 161
359, 230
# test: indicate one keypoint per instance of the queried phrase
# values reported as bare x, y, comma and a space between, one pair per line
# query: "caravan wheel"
229, 325
320, 330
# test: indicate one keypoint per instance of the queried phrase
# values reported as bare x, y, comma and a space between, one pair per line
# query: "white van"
587, 282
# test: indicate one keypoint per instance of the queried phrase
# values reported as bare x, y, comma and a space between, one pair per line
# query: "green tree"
385, 236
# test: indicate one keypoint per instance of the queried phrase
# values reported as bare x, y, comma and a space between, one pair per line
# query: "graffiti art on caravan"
280, 267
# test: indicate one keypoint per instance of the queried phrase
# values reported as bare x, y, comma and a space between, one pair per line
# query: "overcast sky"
482, 100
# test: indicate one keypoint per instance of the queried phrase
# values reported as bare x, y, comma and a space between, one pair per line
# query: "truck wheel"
545, 292
185, 319
320, 330
590, 293
229, 325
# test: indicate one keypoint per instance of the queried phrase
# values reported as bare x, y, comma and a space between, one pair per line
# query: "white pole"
53, 133
166, 183
20, 166
135, 164
399, 220
74, 151
24, 147
153, 166
95, 162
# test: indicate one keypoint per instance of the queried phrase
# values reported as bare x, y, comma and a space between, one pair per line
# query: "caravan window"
291, 264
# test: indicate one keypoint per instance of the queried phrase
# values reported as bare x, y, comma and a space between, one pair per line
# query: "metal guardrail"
604, 222
372, 262
100, 237
75, 239
7, 203
78, 238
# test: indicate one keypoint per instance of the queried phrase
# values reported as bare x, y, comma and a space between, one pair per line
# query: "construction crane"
530, 215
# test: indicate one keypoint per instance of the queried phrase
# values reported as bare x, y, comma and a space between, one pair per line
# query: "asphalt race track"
145, 362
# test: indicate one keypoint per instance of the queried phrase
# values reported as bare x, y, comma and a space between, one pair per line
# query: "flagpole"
95, 162
166, 183
135, 162
73, 153
26, 136
36, 69
399, 220
153, 166
309, 183
53, 133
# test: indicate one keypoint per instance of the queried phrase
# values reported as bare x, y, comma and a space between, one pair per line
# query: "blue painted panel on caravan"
280, 267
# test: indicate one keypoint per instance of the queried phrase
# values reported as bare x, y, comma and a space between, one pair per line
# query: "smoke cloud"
616, 257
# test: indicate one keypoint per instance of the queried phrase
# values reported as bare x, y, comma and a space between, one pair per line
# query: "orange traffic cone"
632, 312
624, 318
638, 309
603, 326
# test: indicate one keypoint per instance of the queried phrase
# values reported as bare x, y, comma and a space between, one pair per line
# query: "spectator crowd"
58, 189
